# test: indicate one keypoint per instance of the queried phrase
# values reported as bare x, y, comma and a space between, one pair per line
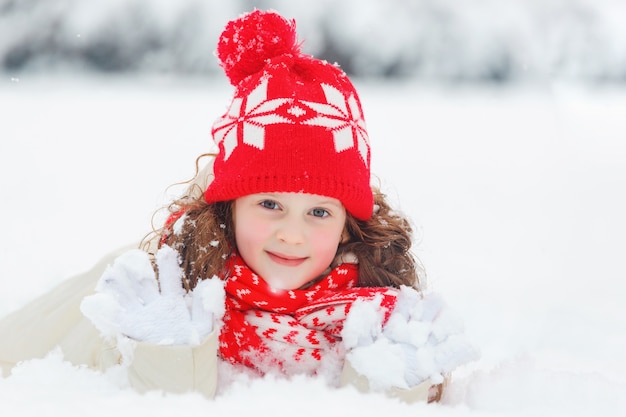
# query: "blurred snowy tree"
495, 41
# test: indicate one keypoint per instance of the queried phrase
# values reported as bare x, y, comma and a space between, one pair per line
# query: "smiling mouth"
285, 260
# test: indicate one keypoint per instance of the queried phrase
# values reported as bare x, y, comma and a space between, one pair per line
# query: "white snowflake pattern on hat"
339, 115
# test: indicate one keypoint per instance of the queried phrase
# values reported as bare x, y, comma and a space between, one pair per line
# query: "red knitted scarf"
290, 330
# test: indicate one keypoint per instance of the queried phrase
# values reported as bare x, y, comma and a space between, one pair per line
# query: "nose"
291, 230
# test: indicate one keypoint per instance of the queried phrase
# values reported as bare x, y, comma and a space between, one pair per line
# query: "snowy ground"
517, 195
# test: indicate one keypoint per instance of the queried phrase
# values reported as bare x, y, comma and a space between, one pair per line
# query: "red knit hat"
295, 123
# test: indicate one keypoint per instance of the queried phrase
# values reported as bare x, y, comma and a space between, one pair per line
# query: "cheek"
250, 234
325, 246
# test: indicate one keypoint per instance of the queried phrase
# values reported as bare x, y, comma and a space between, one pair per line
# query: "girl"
290, 261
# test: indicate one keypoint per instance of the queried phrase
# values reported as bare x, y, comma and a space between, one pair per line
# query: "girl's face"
288, 239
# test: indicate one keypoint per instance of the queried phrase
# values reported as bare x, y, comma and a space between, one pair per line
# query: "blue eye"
269, 204
320, 212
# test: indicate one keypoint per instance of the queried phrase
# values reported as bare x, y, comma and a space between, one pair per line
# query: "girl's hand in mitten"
441, 345
422, 340
129, 301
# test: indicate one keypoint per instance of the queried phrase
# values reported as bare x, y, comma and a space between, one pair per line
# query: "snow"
516, 195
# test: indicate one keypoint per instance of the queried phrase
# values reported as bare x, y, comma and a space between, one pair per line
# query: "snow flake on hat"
247, 118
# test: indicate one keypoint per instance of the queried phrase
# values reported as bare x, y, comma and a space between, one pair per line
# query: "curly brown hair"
204, 235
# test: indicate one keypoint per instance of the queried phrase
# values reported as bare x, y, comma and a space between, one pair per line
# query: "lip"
285, 260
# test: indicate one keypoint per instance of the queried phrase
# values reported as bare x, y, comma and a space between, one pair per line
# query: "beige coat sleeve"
54, 320
169, 368
420, 392
173, 368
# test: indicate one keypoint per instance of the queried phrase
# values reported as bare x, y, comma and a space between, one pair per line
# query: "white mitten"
421, 340
129, 302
